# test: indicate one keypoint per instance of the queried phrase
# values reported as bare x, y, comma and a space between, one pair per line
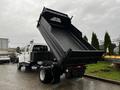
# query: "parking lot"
12, 79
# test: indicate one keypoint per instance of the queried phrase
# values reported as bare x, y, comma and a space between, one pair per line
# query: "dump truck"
70, 51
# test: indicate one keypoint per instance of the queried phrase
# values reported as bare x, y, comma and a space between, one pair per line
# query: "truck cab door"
27, 55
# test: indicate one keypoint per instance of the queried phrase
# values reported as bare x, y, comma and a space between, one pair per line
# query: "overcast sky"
18, 18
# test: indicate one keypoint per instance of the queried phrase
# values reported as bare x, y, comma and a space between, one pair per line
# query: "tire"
82, 73
68, 75
19, 66
75, 73
56, 79
45, 75
56, 75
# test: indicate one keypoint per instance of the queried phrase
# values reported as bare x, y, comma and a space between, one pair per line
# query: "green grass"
104, 70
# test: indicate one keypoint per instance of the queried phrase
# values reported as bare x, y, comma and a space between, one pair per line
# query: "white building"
3, 43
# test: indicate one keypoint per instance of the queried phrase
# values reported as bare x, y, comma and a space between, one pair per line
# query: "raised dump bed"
64, 40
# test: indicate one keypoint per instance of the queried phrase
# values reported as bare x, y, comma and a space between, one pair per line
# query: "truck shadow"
69, 84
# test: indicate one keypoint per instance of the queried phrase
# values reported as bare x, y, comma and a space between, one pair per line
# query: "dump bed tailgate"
82, 57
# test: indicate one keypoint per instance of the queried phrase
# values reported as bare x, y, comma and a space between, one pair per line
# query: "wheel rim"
42, 75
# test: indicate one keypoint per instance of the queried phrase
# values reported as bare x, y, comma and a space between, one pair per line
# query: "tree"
95, 41
107, 43
85, 38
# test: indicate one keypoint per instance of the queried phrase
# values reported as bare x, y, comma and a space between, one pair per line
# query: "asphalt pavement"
12, 79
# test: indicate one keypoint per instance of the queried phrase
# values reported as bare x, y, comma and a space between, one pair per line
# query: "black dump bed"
64, 40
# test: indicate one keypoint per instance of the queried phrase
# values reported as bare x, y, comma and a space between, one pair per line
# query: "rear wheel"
75, 73
56, 75
68, 75
45, 75
56, 79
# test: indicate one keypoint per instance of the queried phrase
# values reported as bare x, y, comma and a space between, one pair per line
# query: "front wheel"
45, 75
19, 66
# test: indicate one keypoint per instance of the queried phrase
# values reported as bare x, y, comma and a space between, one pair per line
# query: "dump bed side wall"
78, 36
55, 47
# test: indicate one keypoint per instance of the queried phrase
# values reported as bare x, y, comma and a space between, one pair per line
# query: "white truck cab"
32, 54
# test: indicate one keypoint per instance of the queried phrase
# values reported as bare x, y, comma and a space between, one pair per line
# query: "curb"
103, 79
